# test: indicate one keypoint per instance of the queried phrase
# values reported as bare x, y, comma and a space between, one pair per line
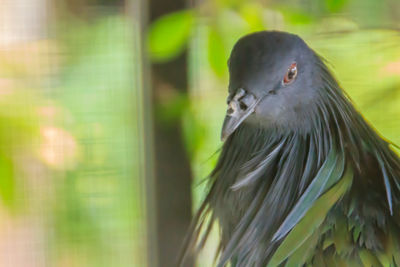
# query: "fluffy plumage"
303, 180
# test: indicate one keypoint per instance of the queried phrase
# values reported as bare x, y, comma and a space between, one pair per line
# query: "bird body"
302, 179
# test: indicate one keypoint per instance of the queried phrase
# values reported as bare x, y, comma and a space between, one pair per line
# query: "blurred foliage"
335, 5
99, 195
17, 131
69, 169
171, 106
169, 35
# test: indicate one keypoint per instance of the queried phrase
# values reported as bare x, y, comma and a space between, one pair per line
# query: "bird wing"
299, 244
329, 173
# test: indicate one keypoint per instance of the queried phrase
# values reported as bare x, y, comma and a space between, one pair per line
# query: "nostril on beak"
242, 105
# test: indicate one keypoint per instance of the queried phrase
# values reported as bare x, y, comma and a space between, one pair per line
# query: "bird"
302, 179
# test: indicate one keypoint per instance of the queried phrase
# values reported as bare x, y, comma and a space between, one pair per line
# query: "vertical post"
172, 166
138, 13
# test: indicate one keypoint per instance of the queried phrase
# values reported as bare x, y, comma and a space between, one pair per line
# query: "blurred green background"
110, 113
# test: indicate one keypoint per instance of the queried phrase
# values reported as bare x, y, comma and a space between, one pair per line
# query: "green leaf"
217, 53
330, 172
7, 181
193, 131
313, 219
335, 5
253, 15
296, 17
169, 34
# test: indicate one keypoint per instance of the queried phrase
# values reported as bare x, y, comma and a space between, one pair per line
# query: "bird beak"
239, 108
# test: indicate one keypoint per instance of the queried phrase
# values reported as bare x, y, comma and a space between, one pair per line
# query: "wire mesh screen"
70, 186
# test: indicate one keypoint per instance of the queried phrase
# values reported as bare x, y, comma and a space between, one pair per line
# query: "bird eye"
290, 74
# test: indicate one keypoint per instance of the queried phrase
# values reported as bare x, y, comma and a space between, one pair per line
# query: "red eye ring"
290, 74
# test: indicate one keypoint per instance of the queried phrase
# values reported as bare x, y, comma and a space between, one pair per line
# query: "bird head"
272, 83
